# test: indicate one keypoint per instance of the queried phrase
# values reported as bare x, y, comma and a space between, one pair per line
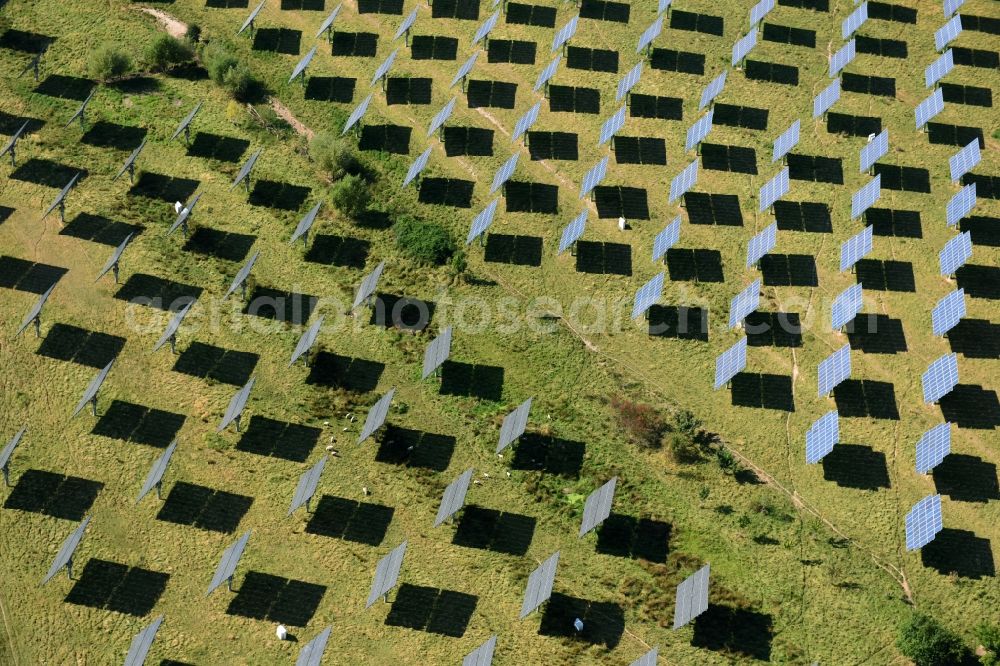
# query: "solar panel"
129, 163
34, 314
306, 341
846, 306
186, 123
612, 126
8, 449
865, 197
376, 415
437, 352
923, 522
306, 487
90, 394
141, 643
683, 181
649, 34
822, 436
565, 33
743, 46
240, 281
539, 587
155, 477
647, 295
357, 114
306, 223
961, 204
12, 141
60, 200
948, 32
384, 68
513, 425
252, 17
874, 150
948, 312
246, 169
454, 497
761, 244
662, 6
667, 238
699, 130
854, 21
64, 558
482, 221
951, 6
964, 161
311, 653
525, 122
482, 655
418, 165
712, 90
300, 68
386, 574
933, 447
598, 506
236, 405
784, 143
442, 116
930, 107
79, 113
855, 248
826, 99
573, 231
842, 58
940, 68
464, 70
692, 597
328, 21
730, 363
744, 303
185, 213
955, 253
230, 559
834, 369
504, 173
759, 11
368, 285
406, 24
774, 189
485, 28
594, 177
171, 331
547, 73
629, 81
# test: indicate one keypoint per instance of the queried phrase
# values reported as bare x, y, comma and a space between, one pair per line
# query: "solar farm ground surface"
808, 562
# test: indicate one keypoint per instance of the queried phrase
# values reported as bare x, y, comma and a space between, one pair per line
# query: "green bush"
459, 262
687, 423
426, 242
193, 34
927, 643
350, 195
333, 154
107, 63
227, 71
727, 461
165, 51
989, 636
682, 448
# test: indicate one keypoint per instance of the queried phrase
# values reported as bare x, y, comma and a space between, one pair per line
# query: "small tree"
107, 63
682, 448
333, 154
218, 60
193, 34
165, 51
350, 195
426, 242
928, 643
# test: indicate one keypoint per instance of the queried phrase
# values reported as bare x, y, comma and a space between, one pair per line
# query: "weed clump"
425, 242
351, 196
108, 63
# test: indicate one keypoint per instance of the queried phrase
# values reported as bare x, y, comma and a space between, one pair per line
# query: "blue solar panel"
951, 6
328, 21
629, 81
662, 6
822, 436
854, 21
417, 166
406, 24
744, 303
712, 90
573, 231
683, 181
384, 68
651, 33
486, 27
761, 244
788, 140
834, 369
874, 150
865, 197
948, 312
842, 58
855, 248
923, 522
356, 115
612, 126
964, 160
961, 204
547, 73
759, 11
442, 116
301, 66
846, 306
647, 295
667, 238
826, 99
482, 221
940, 68
948, 32
930, 107
525, 122
774, 189
699, 130
565, 33
504, 173
940, 378
464, 70
594, 177
955, 253
730, 363
742, 47
933, 447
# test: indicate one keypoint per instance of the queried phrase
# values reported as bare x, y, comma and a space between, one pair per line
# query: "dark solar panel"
757, 70
870, 85
360, 44
618, 201
640, 150
459, 9
740, 116
652, 106
888, 12
841, 123
815, 168
406, 90
512, 51
388, 138
553, 146
677, 61
468, 141
433, 47
907, 179
710, 25
810, 216
784, 34
537, 15
976, 57
601, 10
574, 100
971, 95
598, 60
497, 94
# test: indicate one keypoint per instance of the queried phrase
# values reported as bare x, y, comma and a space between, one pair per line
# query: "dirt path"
290, 118
173, 27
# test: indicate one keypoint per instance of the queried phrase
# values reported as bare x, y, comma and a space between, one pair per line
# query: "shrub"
459, 262
928, 643
989, 636
727, 461
350, 195
643, 423
107, 63
427, 242
193, 34
165, 51
687, 423
682, 448
227, 71
334, 155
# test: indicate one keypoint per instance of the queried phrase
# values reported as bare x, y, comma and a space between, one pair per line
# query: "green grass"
829, 599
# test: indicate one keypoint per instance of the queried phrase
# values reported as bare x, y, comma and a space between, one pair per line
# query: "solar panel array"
546, 74
437, 352
594, 176
948, 312
628, 81
699, 130
407, 23
961, 204
482, 655
90, 393
684, 181
930, 107
873, 151
667, 238
241, 276
565, 33
712, 90
649, 34
505, 172
236, 405
759, 11
8, 449
822, 436
846, 306
948, 32
175, 323
940, 68
539, 587
34, 314
486, 28
761, 244
356, 115
464, 70
774, 189
368, 285
65, 554
155, 476
923, 522
933, 447
827, 98
743, 46
955, 253
692, 597
598, 506
418, 165
573, 231
964, 161
306, 223
513, 425
300, 68
730, 363
252, 17
647, 295
842, 58
442, 116
482, 221
865, 197
454, 497
306, 487
744, 303
228, 562
833, 370
386, 574
311, 653
525, 122
384, 68
186, 122
139, 648
940, 378
612, 126
854, 21
376, 416
788, 140
855, 248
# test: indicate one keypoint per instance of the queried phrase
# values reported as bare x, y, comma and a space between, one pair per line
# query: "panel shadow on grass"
24, 41
709, 208
112, 135
263, 596
331, 250
896, 223
5, 213
157, 292
338, 89
291, 307
65, 87
960, 552
99, 229
975, 338
728, 629
471, 380
789, 270
548, 454
10, 123
352, 374
277, 40
682, 322
166, 188
227, 4
277, 195
979, 281
531, 197
694, 265
138, 424
279, 439
350, 520
620, 201
808, 216
431, 609
414, 448
117, 587
856, 466
773, 329
984, 230
71, 343
603, 621
876, 334
603, 258
46, 172
971, 406
28, 276
393, 139
226, 245
488, 529
53, 494
866, 398
446, 192
763, 391
216, 147
227, 366
204, 508
966, 478
402, 312
513, 250
636, 538
886, 275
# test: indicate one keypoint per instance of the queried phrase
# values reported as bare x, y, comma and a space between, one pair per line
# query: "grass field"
804, 568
